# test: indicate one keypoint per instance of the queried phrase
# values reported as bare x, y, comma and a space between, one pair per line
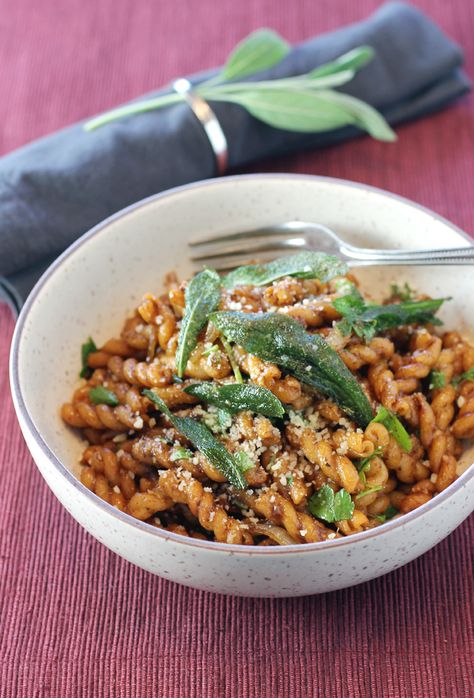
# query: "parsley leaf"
388, 514
405, 292
181, 453
304, 265
366, 320
466, 376
203, 440
101, 396
437, 380
394, 427
364, 464
369, 490
330, 507
86, 349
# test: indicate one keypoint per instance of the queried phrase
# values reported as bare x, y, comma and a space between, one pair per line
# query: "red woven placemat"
76, 620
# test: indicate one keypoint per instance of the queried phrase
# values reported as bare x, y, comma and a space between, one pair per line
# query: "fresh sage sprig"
330, 507
237, 397
204, 441
305, 265
202, 297
366, 320
260, 50
283, 341
305, 103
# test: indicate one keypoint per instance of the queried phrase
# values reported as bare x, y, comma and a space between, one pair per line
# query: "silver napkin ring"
208, 120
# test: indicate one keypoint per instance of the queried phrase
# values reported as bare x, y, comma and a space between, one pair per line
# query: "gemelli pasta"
296, 410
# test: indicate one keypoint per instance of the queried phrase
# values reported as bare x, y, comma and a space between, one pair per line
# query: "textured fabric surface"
58, 187
77, 621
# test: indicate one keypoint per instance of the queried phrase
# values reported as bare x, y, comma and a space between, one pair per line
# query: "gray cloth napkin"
56, 188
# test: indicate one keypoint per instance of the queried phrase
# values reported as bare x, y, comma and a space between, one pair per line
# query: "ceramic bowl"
102, 276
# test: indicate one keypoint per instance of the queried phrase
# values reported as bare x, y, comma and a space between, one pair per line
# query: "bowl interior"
101, 278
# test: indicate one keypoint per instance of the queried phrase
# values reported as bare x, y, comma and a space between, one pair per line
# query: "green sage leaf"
204, 441
394, 427
388, 514
370, 490
86, 349
330, 507
101, 396
202, 297
365, 463
277, 338
310, 111
364, 116
260, 50
305, 265
352, 60
238, 397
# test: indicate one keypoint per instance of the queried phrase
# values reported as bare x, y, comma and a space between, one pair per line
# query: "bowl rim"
26, 421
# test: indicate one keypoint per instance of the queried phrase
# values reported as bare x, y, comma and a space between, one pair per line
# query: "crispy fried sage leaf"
330, 507
237, 397
86, 349
367, 320
277, 338
204, 441
202, 297
305, 265
394, 427
101, 396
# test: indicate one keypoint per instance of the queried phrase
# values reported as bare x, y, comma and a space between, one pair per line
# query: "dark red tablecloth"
76, 620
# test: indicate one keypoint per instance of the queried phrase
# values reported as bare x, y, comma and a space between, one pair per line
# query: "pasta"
313, 472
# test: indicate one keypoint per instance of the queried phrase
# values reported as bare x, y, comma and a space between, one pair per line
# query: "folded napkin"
53, 190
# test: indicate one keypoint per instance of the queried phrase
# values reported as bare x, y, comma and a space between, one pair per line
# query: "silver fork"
234, 249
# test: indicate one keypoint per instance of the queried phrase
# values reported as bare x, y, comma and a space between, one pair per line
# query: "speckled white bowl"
91, 287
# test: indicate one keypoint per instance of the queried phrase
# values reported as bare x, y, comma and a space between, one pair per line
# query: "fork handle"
365, 257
